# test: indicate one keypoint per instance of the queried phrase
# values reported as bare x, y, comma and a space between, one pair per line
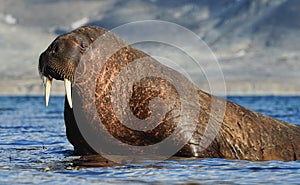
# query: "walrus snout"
61, 58
59, 61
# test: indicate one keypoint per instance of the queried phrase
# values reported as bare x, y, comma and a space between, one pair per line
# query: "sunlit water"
34, 149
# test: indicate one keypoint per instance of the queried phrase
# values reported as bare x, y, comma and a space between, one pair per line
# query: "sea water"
34, 150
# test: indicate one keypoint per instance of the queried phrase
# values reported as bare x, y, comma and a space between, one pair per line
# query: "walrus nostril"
55, 48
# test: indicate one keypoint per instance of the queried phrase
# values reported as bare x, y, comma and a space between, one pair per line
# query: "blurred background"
256, 42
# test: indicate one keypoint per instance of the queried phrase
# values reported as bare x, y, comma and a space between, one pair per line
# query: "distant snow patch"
9, 19
79, 22
240, 53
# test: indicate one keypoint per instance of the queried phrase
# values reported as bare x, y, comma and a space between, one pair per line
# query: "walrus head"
60, 59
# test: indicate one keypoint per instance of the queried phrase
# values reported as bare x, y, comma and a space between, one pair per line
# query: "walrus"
243, 134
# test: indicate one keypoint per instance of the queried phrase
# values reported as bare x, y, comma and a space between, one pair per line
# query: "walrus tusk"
47, 90
68, 91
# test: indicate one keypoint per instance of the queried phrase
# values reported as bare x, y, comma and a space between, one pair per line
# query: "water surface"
34, 149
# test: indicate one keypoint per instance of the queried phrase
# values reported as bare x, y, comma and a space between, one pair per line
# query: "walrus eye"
83, 46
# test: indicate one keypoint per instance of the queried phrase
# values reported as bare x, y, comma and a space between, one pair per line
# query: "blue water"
34, 149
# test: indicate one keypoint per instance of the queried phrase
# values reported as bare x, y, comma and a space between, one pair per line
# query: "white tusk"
68, 91
47, 90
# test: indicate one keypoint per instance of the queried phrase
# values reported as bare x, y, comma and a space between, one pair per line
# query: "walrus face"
60, 60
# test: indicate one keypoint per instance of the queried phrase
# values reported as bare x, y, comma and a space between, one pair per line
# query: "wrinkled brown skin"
244, 134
